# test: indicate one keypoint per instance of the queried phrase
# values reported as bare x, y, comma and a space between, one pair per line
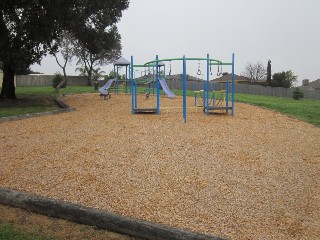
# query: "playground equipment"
104, 91
152, 84
166, 89
121, 62
218, 100
207, 107
147, 80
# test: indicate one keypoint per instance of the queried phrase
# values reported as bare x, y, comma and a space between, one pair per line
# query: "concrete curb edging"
62, 104
97, 218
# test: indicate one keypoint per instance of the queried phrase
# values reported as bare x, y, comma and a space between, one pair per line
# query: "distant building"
237, 79
305, 82
306, 85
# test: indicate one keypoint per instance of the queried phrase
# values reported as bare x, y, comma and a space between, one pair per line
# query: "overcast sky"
284, 31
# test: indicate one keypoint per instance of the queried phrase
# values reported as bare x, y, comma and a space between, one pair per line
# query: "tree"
31, 29
97, 74
255, 71
20, 45
297, 93
269, 72
65, 49
112, 74
283, 79
90, 59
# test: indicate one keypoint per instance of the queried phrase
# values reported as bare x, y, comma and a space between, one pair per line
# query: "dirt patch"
249, 177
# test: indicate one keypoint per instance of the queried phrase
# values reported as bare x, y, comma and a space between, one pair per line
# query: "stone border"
95, 217
62, 105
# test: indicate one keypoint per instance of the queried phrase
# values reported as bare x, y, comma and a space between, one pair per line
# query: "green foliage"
297, 93
30, 29
97, 74
37, 99
283, 79
112, 74
57, 79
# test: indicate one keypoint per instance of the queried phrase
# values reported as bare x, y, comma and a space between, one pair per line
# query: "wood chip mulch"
254, 176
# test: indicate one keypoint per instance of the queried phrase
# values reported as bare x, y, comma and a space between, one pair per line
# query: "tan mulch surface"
254, 176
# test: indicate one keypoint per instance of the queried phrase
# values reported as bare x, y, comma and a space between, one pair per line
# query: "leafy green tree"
82, 71
297, 93
31, 29
97, 74
112, 74
57, 80
90, 60
283, 79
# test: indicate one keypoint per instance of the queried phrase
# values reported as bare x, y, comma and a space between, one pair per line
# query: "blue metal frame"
206, 84
158, 85
184, 86
133, 95
227, 96
232, 112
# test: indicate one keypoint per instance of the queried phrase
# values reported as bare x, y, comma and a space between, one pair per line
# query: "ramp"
166, 89
104, 89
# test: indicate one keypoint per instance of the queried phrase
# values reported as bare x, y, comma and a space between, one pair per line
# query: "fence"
174, 83
244, 88
46, 80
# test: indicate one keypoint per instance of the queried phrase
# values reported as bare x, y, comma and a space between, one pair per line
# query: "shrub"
57, 79
297, 93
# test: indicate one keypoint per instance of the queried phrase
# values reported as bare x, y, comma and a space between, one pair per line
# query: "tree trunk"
8, 90
60, 85
65, 80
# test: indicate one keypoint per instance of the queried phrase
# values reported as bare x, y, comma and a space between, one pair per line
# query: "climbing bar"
218, 62
142, 65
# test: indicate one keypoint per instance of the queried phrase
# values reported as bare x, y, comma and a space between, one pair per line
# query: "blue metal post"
158, 85
126, 79
232, 85
195, 95
132, 86
204, 95
213, 93
207, 85
135, 95
153, 82
117, 80
227, 96
184, 89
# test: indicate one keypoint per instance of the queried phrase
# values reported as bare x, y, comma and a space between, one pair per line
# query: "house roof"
180, 76
228, 77
315, 85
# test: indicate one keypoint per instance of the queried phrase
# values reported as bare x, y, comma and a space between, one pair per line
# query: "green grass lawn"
40, 99
305, 109
36, 99
10, 232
